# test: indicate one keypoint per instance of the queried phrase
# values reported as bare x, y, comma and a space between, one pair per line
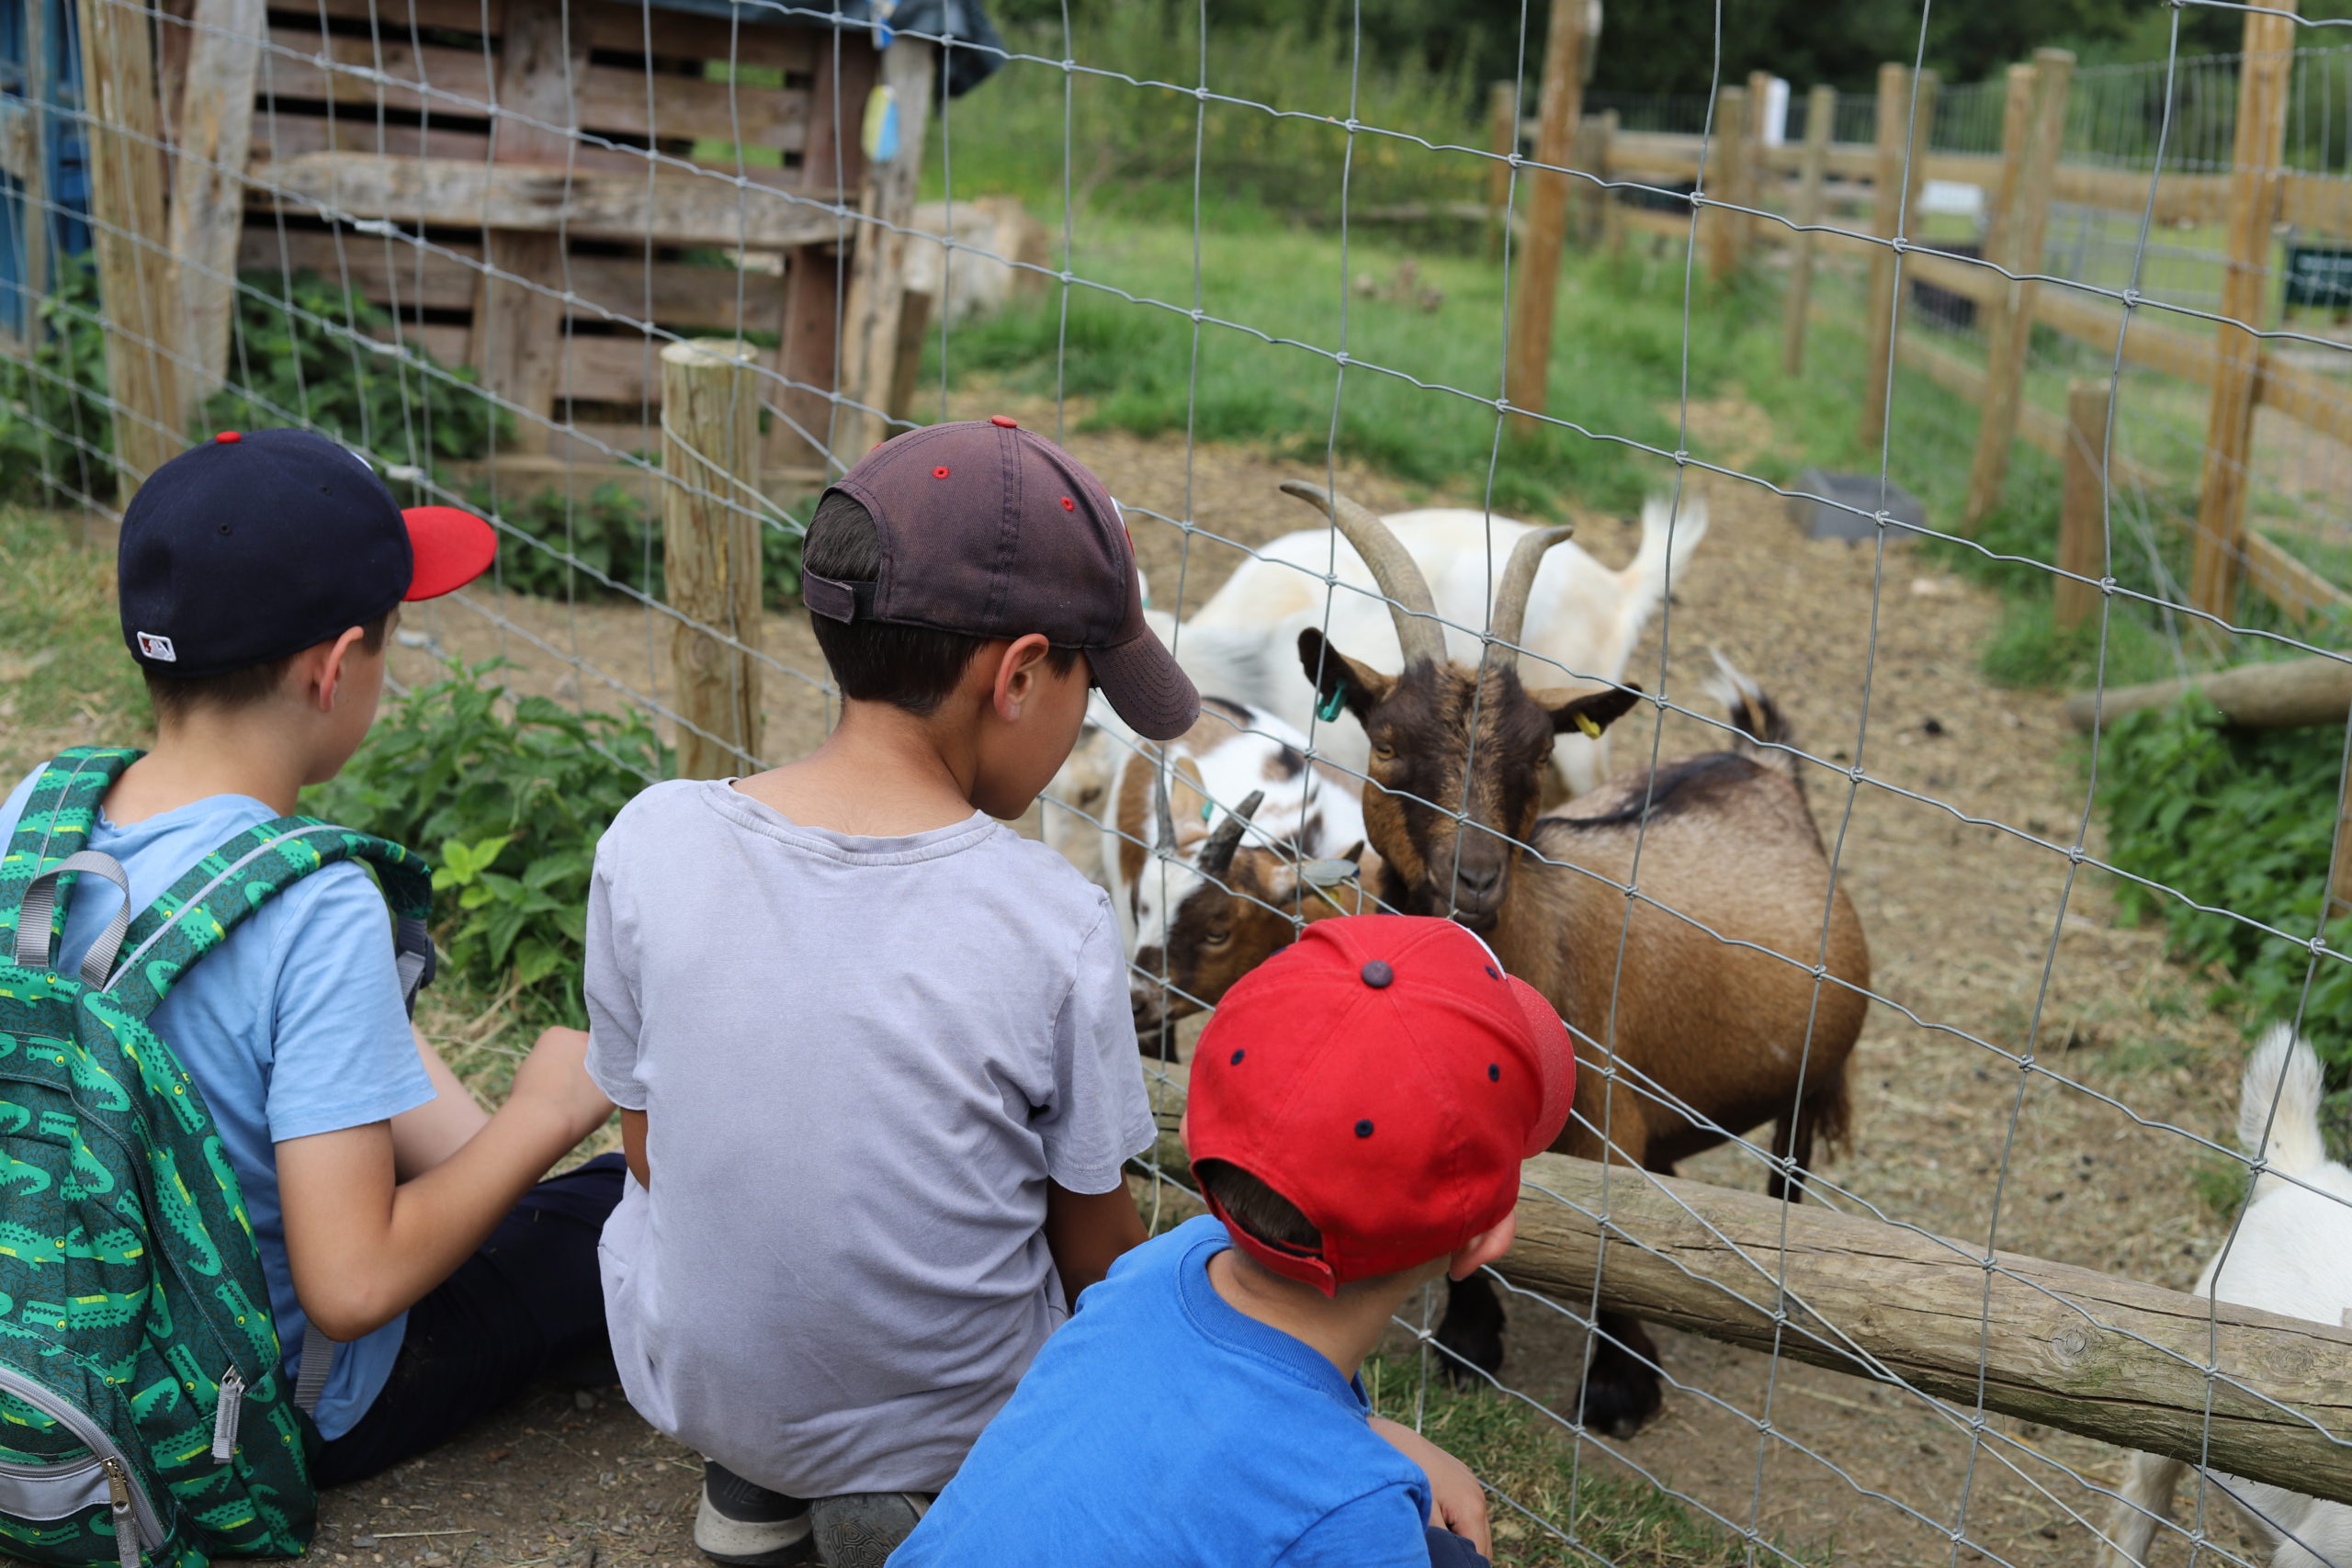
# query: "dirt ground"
1971, 927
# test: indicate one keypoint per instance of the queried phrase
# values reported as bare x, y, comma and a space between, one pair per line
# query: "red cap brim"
452, 547
1555, 1056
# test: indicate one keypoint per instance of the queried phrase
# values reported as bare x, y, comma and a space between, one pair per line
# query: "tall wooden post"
37, 226
2021, 227
1720, 227
808, 357
1502, 140
2081, 511
1534, 295
1589, 205
1611, 210
207, 177
518, 325
1820, 121
878, 272
2016, 117
711, 524
2254, 201
138, 285
1906, 110
1753, 174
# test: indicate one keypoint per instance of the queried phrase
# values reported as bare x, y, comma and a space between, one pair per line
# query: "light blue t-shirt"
293, 1026
1160, 1429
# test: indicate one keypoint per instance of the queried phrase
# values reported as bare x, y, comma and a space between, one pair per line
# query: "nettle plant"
508, 796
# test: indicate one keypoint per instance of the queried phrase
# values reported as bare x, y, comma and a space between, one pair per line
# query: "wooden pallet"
549, 190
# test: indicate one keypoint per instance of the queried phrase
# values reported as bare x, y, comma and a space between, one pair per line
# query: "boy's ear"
322, 677
1484, 1247
1590, 712
1339, 681
1021, 656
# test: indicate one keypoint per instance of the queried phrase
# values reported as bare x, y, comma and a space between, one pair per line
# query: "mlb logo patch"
161, 648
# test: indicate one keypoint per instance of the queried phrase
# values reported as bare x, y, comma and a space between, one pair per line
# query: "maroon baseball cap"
1387, 1078
991, 531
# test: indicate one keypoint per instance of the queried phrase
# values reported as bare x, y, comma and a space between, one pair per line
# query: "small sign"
2321, 276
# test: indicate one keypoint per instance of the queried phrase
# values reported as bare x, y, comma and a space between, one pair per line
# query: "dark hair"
1258, 1207
178, 695
912, 668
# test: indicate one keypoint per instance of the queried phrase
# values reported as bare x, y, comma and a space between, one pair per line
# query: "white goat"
1582, 618
1246, 809
2292, 1254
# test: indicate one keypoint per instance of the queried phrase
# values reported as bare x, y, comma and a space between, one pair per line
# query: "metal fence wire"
460, 234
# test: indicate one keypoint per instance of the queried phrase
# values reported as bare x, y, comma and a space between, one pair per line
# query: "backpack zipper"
225, 1415
126, 1499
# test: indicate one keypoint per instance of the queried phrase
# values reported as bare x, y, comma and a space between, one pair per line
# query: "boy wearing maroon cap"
420, 1273
873, 1051
1360, 1107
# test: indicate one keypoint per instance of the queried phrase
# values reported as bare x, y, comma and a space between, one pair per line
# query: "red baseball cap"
1387, 1078
993, 531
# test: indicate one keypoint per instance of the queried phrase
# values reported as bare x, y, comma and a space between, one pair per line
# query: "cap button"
1378, 975
1005, 421
227, 436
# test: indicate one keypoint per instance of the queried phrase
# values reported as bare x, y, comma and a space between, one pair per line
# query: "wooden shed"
549, 190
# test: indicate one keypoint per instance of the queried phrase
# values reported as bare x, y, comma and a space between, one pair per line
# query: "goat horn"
1392, 566
1216, 854
1508, 617
1164, 818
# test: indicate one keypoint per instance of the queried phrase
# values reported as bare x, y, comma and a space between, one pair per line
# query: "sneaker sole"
862, 1530
745, 1543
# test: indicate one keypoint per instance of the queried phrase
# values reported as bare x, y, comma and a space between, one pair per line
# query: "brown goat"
1695, 1006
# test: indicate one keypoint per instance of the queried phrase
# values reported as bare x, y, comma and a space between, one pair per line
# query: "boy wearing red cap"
419, 1273
873, 1051
1360, 1107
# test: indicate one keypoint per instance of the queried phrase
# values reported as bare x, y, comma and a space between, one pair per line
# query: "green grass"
62, 665
1522, 1455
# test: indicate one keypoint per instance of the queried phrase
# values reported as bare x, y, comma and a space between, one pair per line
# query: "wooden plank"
2301, 595
1820, 118
2064, 1347
2016, 125
1534, 294
138, 284
870, 308
278, 136
1906, 110
2009, 331
711, 571
208, 186
2082, 510
33, 183
389, 71
682, 208
1588, 204
914, 317
1719, 230
620, 28
2288, 693
807, 360
1752, 172
1502, 141
2264, 76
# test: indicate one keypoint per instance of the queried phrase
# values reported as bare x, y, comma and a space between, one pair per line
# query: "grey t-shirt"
861, 1060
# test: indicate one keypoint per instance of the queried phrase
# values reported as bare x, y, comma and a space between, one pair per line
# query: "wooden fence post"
1906, 110
2082, 514
34, 195
2062, 1345
878, 272
1820, 122
1753, 174
1534, 295
138, 285
209, 179
2023, 222
1719, 227
2339, 872
1612, 209
711, 534
1589, 208
2017, 120
2254, 201
1502, 140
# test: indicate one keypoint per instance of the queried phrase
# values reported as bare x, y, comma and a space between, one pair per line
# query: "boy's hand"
554, 1079
1460, 1502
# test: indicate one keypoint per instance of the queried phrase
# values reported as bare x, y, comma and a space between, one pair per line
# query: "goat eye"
1214, 938
1382, 752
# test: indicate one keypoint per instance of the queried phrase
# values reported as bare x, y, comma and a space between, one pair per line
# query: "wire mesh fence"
485, 242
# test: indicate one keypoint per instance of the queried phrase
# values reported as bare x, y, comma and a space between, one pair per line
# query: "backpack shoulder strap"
55, 827
204, 905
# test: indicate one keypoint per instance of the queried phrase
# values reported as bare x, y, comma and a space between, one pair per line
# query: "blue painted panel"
41, 97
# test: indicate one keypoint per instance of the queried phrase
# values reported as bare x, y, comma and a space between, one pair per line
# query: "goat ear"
1590, 712
1339, 681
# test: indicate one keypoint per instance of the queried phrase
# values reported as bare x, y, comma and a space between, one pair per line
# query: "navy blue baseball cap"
259, 544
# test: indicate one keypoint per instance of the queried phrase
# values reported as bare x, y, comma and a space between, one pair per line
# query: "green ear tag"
1584, 722
1332, 706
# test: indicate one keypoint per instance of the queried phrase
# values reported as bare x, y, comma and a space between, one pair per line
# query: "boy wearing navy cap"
399, 1227
873, 1053
1359, 1106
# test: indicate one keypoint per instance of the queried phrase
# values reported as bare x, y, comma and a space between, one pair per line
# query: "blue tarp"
42, 95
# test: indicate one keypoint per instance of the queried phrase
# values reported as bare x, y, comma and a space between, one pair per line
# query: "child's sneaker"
860, 1529
746, 1525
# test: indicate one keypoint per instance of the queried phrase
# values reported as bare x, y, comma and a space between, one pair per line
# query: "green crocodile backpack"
143, 1408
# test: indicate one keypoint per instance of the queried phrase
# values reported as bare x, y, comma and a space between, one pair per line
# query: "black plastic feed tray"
1821, 520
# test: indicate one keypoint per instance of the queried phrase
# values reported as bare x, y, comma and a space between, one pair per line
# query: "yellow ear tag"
1584, 722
